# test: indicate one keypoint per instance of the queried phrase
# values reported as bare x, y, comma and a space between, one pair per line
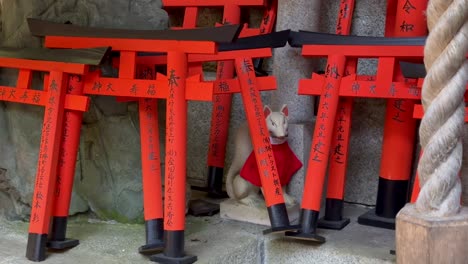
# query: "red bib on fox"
286, 162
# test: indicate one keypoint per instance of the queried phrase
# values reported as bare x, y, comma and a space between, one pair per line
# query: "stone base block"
425, 240
258, 214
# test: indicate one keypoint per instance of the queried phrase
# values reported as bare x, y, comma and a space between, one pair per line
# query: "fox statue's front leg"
245, 192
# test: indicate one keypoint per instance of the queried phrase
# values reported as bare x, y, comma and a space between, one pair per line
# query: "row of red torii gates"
72, 51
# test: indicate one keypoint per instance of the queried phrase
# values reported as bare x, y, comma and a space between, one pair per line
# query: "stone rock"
111, 186
111, 168
11, 206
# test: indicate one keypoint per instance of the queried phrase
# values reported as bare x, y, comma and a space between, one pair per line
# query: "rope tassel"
441, 130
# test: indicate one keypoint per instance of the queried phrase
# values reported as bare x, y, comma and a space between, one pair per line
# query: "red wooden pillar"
322, 139
150, 158
41, 207
333, 218
176, 163
66, 171
400, 126
220, 118
151, 172
261, 146
321, 142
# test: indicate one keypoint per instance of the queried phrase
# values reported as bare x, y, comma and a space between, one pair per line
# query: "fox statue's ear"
266, 111
285, 110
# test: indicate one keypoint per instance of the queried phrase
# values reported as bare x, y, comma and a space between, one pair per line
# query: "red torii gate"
63, 68
225, 70
248, 47
177, 87
386, 84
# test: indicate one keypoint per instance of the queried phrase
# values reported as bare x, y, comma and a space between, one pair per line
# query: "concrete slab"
353, 244
234, 210
212, 239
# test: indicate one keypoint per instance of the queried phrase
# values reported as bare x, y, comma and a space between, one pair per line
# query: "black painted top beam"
224, 34
93, 56
298, 39
271, 40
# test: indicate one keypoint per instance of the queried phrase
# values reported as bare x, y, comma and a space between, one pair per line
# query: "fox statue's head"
277, 122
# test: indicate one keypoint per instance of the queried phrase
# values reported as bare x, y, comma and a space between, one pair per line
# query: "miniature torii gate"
249, 47
177, 87
173, 87
62, 100
225, 70
335, 85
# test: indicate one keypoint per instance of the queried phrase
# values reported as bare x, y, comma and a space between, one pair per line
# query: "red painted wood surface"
342, 127
142, 45
44, 66
324, 125
400, 127
38, 97
68, 151
364, 51
150, 150
353, 86
221, 109
44, 187
196, 90
211, 3
176, 143
320, 150
150, 158
259, 132
220, 56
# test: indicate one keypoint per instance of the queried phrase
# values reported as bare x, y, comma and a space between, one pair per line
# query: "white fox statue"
240, 185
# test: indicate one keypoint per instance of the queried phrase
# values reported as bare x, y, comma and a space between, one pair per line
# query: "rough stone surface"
354, 244
365, 151
258, 214
108, 177
212, 239
424, 239
294, 15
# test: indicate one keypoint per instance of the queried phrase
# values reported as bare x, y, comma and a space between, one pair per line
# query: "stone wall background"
108, 174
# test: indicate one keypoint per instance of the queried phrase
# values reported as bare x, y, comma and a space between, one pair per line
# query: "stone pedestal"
258, 214
427, 240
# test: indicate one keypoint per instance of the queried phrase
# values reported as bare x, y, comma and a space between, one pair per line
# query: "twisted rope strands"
441, 129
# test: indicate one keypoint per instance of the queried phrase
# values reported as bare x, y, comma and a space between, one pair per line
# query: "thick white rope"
441, 130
